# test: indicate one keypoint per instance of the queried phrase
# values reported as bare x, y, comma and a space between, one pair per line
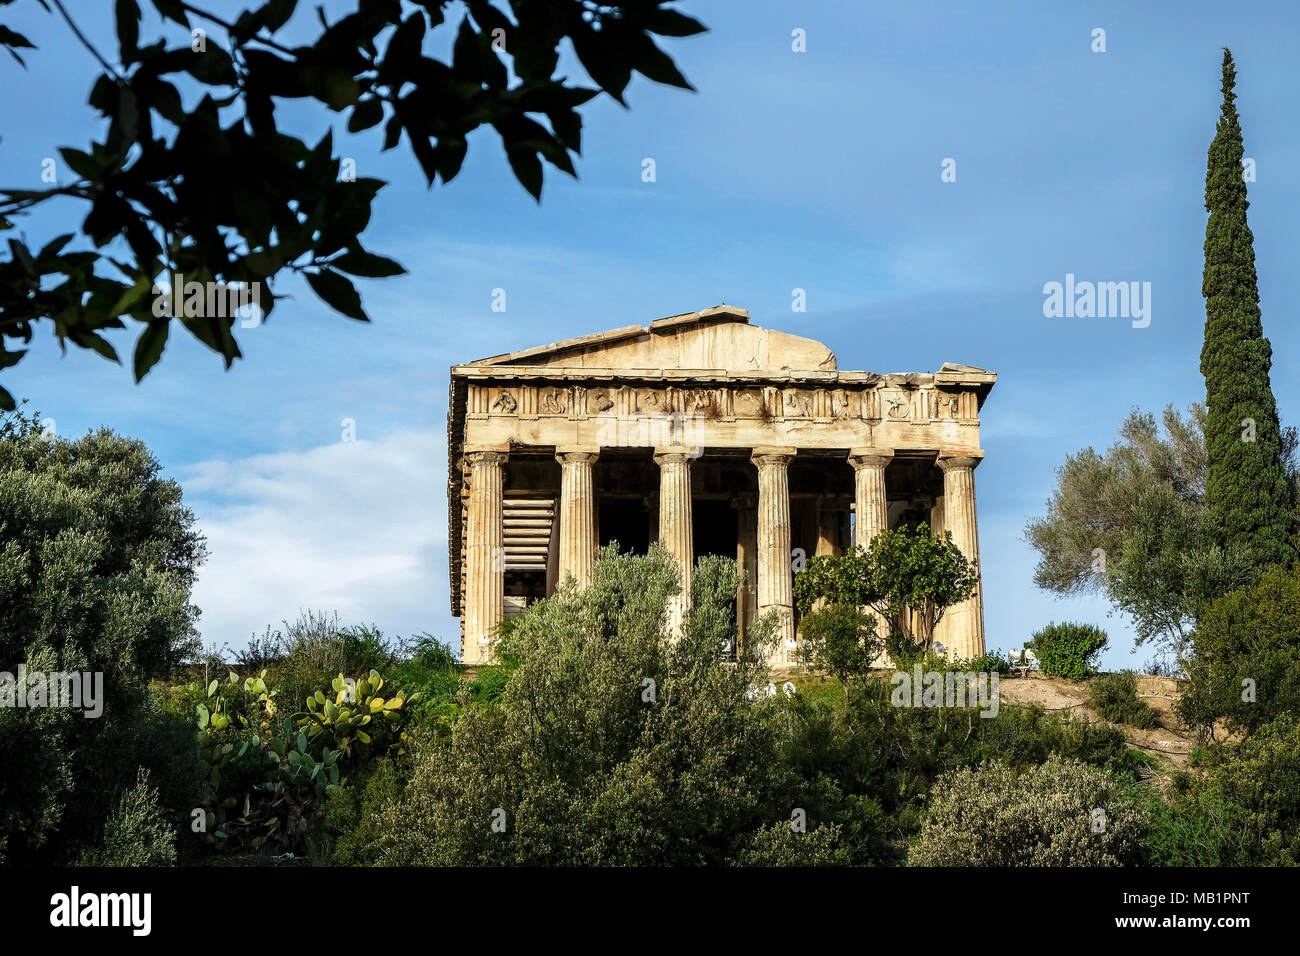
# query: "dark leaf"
128, 28
365, 114
150, 347
358, 262
338, 293
671, 23
527, 168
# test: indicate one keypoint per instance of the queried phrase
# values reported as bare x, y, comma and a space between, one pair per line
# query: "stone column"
937, 529
746, 560
484, 556
675, 531
775, 577
870, 500
871, 506
578, 541
964, 627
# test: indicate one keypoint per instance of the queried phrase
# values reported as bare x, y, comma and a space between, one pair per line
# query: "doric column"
964, 628
746, 560
937, 529
675, 532
871, 506
484, 556
870, 501
578, 541
775, 577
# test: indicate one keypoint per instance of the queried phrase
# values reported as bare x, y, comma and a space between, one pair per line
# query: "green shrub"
137, 832
1195, 829
1246, 661
779, 845
840, 640
268, 773
351, 819
990, 662
610, 743
1060, 813
1115, 698
867, 765
1260, 780
1068, 649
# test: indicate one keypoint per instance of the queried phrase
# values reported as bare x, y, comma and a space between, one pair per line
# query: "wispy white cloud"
358, 527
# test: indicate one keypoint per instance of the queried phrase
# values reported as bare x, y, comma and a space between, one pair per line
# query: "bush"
430, 669
349, 824
610, 744
840, 640
867, 765
779, 845
1115, 698
1260, 780
1061, 813
268, 773
991, 662
1196, 829
137, 832
1068, 649
316, 648
1246, 663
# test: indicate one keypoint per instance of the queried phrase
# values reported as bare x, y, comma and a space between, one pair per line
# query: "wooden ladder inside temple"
527, 533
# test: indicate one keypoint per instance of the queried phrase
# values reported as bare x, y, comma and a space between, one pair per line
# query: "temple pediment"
718, 338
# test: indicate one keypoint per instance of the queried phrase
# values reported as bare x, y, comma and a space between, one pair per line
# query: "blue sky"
817, 170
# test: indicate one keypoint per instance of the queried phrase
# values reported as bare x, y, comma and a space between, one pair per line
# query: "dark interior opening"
626, 521
713, 524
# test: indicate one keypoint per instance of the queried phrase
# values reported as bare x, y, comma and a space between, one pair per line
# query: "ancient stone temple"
711, 436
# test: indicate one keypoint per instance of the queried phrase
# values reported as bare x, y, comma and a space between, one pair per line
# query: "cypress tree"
1246, 491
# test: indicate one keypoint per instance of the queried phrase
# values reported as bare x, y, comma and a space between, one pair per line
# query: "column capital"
669, 456
486, 454
772, 454
870, 457
960, 459
577, 454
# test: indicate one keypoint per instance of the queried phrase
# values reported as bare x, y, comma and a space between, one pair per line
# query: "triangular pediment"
716, 338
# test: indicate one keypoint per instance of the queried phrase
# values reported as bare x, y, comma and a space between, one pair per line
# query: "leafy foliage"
1115, 698
137, 833
97, 558
841, 641
1068, 649
1244, 811
1043, 816
611, 744
1246, 666
908, 576
268, 773
195, 176
867, 765
1132, 524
